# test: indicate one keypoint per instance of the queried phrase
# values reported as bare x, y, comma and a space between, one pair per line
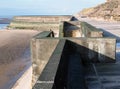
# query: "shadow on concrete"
70, 26
69, 69
74, 69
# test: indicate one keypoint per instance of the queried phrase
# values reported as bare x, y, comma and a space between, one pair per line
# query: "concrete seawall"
56, 61
89, 47
90, 51
96, 49
42, 23
41, 53
78, 29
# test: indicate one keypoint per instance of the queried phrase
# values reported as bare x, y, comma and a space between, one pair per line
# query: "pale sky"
45, 7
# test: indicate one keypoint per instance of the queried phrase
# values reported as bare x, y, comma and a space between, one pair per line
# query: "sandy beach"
14, 55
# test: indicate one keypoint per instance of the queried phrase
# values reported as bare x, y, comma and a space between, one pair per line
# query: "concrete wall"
41, 50
79, 29
70, 29
43, 23
90, 31
72, 33
65, 66
96, 49
55, 64
34, 26
43, 19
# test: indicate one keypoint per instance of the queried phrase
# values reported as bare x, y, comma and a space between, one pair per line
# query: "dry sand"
14, 55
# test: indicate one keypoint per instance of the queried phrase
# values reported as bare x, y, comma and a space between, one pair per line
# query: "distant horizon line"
11, 16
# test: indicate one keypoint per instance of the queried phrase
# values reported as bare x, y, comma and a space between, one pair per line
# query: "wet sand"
14, 55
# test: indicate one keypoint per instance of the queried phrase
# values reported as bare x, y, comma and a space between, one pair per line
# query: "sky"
45, 7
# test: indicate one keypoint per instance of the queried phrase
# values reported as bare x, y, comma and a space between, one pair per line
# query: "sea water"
118, 45
118, 48
2, 26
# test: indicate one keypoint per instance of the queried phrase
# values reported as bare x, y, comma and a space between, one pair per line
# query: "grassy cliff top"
109, 9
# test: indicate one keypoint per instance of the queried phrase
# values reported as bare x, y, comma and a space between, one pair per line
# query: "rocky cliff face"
110, 10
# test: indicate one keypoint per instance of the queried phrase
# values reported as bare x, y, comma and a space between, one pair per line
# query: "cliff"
110, 10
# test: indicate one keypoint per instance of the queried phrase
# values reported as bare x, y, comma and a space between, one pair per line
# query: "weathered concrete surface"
42, 49
89, 49
47, 79
72, 33
105, 75
54, 77
110, 29
70, 29
90, 31
73, 56
44, 35
79, 29
43, 23
43, 19
96, 49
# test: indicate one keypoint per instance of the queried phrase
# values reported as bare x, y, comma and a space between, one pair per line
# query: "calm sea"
3, 26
